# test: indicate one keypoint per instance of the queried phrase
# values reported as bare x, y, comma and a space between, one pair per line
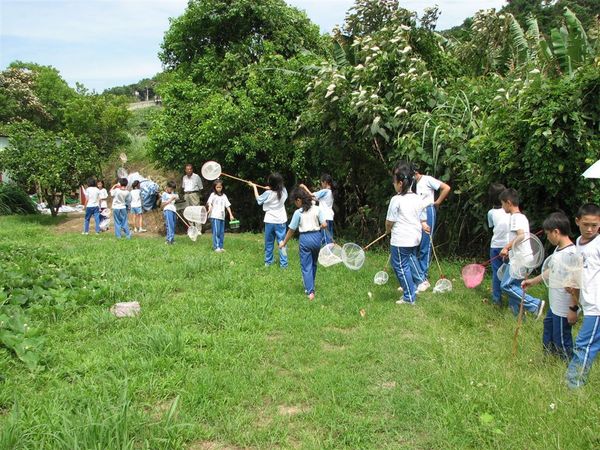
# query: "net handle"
437, 261
243, 181
519, 322
182, 219
366, 247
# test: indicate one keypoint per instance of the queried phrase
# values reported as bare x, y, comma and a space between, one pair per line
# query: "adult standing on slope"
192, 185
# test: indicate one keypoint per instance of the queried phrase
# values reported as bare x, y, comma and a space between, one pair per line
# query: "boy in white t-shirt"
498, 221
92, 207
518, 232
121, 202
427, 186
557, 338
587, 344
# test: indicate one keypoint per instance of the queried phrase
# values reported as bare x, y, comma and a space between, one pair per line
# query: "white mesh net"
330, 255
193, 233
211, 170
353, 256
196, 214
563, 270
381, 277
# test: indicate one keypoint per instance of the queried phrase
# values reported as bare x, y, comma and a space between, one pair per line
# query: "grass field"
229, 354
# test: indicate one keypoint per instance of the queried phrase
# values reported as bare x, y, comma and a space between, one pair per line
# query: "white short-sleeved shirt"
499, 221
103, 197
427, 187
305, 221
217, 204
193, 183
92, 194
522, 252
325, 197
136, 198
590, 280
165, 197
121, 198
273, 207
407, 211
560, 299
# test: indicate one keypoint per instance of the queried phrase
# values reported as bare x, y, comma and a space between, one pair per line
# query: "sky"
106, 43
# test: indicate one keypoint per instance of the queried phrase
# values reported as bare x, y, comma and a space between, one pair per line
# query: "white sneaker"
423, 286
142, 230
85, 234
404, 302
400, 289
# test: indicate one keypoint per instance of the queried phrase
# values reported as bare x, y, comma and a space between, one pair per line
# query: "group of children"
510, 228
410, 221
123, 201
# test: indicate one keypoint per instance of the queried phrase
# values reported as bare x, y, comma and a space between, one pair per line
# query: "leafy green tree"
18, 100
55, 162
101, 119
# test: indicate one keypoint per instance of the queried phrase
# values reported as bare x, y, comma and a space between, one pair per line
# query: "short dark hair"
123, 181
509, 195
588, 209
557, 221
91, 182
494, 192
135, 184
171, 184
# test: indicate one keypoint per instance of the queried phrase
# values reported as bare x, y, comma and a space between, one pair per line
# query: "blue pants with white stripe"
513, 289
327, 233
274, 231
406, 266
218, 233
310, 244
170, 218
425, 246
587, 346
557, 338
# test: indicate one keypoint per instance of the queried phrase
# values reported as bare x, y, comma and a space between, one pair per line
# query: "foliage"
18, 100
550, 13
13, 200
56, 163
135, 91
141, 120
37, 282
100, 119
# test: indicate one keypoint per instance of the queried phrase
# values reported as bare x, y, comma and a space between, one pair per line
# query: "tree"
18, 100
55, 162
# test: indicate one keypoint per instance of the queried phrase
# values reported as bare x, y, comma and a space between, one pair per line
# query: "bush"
13, 200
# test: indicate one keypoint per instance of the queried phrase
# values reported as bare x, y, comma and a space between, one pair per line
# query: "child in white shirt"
168, 199
120, 204
217, 204
325, 198
309, 220
518, 232
406, 220
92, 207
273, 203
587, 344
136, 207
498, 221
557, 338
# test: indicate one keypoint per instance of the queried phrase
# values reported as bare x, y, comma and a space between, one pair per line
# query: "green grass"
230, 354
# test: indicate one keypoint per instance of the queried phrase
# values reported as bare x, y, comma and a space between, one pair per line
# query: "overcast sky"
105, 43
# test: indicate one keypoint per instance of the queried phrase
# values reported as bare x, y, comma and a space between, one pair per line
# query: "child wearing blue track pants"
406, 220
309, 220
273, 203
498, 221
168, 199
518, 232
217, 204
587, 344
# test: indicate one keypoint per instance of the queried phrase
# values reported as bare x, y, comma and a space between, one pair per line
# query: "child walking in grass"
587, 344
498, 221
103, 195
168, 199
217, 204
273, 203
121, 202
518, 233
309, 220
325, 198
136, 207
92, 207
406, 220
557, 338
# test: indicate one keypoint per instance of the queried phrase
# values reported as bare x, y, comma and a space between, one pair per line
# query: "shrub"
13, 200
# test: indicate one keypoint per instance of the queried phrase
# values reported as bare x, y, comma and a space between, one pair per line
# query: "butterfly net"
443, 285
472, 275
525, 256
196, 214
563, 270
353, 256
330, 255
381, 278
211, 170
193, 233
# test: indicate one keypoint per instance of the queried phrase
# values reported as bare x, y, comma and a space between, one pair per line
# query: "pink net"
472, 275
